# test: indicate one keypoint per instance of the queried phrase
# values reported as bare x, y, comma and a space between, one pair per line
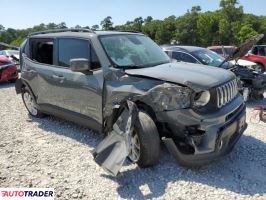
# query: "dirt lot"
54, 153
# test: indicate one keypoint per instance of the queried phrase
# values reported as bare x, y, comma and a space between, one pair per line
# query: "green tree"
95, 27
148, 19
78, 26
207, 26
151, 28
107, 23
186, 27
137, 24
231, 21
2, 28
166, 30
246, 32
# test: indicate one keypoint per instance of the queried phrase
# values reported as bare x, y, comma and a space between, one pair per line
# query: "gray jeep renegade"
86, 77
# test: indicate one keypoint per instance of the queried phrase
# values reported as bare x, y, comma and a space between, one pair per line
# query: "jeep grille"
226, 93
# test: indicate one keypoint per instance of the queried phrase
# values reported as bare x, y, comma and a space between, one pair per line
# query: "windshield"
133, 51
208, 57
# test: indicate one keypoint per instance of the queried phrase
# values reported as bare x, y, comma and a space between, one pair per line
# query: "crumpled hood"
244, 48
197, 77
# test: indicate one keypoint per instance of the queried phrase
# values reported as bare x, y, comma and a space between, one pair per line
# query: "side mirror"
80, 65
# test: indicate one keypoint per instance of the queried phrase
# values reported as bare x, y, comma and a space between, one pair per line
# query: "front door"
78, 92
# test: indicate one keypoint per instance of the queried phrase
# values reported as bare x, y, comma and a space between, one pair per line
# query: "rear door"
38, 69
78, 93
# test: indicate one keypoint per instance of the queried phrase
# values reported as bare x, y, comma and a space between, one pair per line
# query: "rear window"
180, 56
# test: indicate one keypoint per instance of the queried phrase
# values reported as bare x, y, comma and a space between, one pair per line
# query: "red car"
8, 70
227, 50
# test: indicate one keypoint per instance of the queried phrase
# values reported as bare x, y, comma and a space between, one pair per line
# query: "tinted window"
183, 57
70, 49
255, 50
261, 51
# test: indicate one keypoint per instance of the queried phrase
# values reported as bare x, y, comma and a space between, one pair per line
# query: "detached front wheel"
145, 142
30, 104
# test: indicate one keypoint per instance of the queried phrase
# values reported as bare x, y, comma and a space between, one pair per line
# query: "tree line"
228, 25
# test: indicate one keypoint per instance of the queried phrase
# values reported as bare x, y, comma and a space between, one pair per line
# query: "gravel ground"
54, 153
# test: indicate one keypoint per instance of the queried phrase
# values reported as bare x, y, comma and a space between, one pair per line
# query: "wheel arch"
146, 108
21, 85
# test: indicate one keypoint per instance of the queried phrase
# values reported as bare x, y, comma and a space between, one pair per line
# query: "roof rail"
63, 30
130, 31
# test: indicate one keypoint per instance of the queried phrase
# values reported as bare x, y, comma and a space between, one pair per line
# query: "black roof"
181, 48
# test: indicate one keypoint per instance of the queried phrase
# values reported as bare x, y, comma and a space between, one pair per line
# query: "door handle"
30, 71
58, 77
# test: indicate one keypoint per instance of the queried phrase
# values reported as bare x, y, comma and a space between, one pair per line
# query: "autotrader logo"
27, 193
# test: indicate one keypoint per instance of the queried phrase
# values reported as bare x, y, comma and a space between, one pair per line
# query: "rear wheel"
145, 142
30, 104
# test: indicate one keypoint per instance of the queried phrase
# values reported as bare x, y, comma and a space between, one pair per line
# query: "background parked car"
8, 70
259, 50
12, 55
225, 51
252, 84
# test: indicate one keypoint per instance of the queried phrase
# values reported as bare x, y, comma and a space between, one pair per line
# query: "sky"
21, 14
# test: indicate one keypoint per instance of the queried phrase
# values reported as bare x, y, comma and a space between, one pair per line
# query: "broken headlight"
202, 98
169, 96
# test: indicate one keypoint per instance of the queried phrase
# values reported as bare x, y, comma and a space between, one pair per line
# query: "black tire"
149, 141
260, 68
38, 113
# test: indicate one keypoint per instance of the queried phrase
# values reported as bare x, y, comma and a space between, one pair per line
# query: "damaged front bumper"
213, 136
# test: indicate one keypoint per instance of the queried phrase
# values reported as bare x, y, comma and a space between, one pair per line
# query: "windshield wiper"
129, 66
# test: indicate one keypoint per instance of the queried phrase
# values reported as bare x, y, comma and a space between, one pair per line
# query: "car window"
218, 51
255, 50
261, 51
183, 57
70, 49
42, 50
